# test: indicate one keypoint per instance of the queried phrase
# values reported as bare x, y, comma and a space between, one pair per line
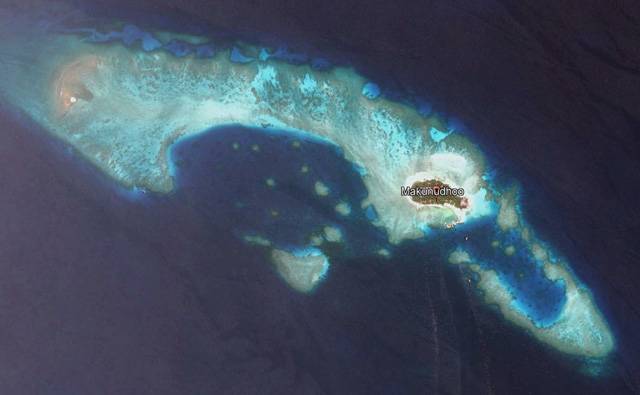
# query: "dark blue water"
223, 172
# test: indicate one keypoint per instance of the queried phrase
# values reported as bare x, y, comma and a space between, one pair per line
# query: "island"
122, 97
435, 192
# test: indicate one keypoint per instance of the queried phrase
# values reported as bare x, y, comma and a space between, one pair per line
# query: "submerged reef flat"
303, 269
122, 107
332, 234
578, 328
343, 208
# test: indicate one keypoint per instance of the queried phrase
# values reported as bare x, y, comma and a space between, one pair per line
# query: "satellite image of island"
338, 197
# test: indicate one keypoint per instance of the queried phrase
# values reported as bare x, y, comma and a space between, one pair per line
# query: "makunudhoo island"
122, 106
435, 192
